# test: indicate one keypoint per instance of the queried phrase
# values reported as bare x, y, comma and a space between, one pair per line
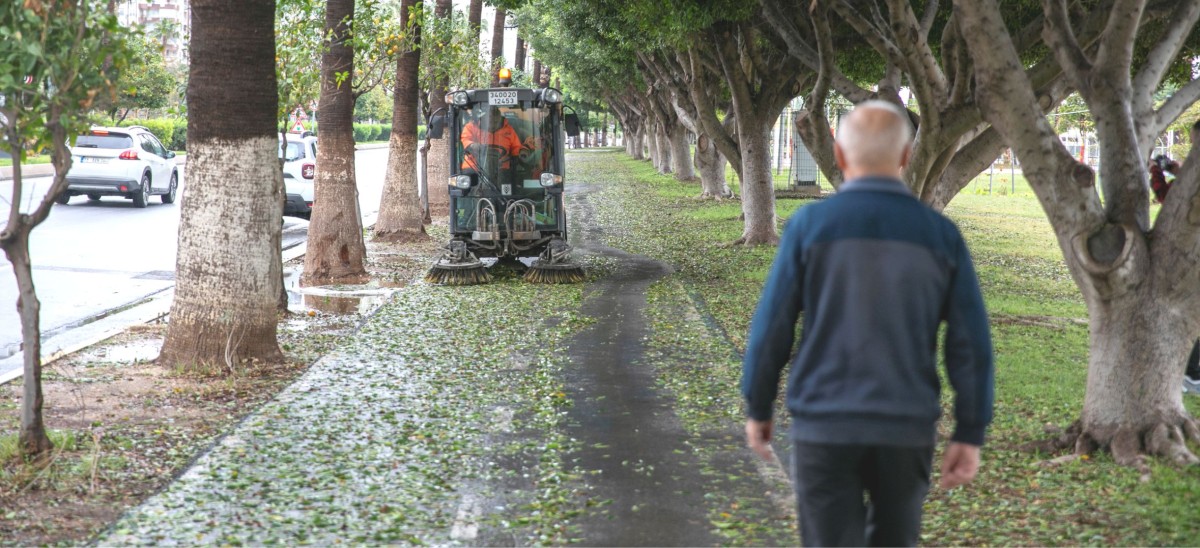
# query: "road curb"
153, 307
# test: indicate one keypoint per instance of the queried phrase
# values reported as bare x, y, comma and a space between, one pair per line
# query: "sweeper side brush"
554, 266
458, 266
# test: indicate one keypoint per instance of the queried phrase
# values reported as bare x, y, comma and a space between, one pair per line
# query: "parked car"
300, 157
299, 171
299, 196
122, 161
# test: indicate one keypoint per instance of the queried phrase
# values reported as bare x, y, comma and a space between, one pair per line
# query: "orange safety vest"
505, 138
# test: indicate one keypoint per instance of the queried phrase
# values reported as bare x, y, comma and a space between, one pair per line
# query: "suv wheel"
142, 198
63, 198
93, 197
169, 197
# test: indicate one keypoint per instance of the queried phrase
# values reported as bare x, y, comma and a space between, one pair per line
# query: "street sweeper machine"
507, 168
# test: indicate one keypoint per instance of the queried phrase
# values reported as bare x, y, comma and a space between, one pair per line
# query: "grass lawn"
1040, 334
7, 162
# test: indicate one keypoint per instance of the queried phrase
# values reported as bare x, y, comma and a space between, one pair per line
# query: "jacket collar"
875, 184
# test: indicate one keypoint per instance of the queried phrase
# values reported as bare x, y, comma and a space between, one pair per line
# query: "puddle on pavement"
132, 352
359, 300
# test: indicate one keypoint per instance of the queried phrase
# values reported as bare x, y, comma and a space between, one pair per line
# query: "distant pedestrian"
875, 272
1160, 166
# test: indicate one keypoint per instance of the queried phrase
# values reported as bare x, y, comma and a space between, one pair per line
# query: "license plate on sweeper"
502, 98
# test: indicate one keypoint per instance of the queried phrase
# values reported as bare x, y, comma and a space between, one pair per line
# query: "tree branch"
928, 16
732, 63
799, 49
1174, 107
1179, 26
707, 112
1059, 36
1065, 188
813, 125
926, 78
869, 32
957, 63
1115, 54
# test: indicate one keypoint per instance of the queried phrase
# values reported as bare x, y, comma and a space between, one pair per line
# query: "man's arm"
969, 366
771, 334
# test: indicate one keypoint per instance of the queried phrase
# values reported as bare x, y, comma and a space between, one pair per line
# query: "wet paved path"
629, 433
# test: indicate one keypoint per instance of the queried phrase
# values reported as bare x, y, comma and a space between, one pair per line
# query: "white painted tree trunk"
438, 173
336, 251
400, 215
228, 272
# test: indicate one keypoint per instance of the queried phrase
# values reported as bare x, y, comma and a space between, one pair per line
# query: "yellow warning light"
504, 76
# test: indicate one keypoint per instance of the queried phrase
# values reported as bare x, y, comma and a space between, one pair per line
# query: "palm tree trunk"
335, 239
497, 41
519, 57
475, 20
400, 215
438, 171
228, 267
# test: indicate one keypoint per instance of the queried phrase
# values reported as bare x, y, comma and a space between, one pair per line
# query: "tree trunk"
1137, 283
652, 148
335, 238
519, 56
400, 216
497, 42
536, 75
33, 439
636, 142
666, 163
681, 154
758, 190
228, 267
437, 171
475, 21
712, 169
1133, 402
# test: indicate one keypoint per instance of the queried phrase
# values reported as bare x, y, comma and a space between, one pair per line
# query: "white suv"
299, 171
122, 161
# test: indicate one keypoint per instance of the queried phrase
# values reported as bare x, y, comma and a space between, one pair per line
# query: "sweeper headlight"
461, 181
458, 98
552, 96
551, 179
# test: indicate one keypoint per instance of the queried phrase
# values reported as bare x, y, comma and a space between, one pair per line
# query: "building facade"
168, 22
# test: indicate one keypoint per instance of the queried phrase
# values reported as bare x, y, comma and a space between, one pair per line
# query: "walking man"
875, 272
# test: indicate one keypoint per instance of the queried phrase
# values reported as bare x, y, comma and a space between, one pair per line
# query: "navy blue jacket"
875, 272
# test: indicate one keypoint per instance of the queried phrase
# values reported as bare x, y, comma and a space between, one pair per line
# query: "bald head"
873, 140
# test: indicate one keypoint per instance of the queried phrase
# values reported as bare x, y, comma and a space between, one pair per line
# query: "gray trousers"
831, 481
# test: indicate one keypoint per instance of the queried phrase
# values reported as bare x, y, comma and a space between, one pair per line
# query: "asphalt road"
90, 258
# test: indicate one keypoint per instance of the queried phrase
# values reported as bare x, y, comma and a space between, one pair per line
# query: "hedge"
163, 128
173, 131
365, 132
